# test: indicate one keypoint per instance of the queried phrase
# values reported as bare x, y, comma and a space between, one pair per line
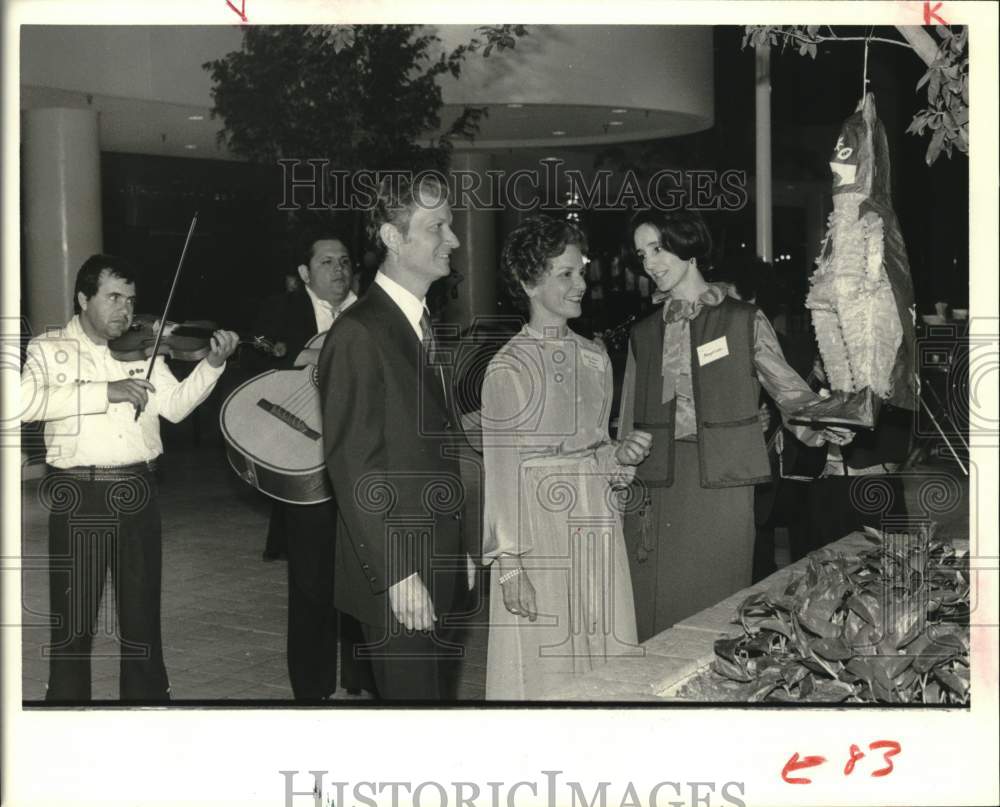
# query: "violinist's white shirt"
64, 382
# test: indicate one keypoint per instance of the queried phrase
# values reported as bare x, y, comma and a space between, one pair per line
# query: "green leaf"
832, 649
934, 149
906, 679
730, 670
768, 682
815, 617
829, 692
859, 606
956, 683
793, 673
775, 625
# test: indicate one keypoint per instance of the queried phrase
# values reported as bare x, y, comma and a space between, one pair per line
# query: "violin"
183, 341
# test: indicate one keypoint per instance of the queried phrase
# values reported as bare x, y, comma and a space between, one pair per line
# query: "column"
61, 176
762, 90
477, 259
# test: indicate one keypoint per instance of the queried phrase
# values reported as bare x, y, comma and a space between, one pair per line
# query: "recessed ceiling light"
514, 106
196, 117
619, 111
558, 132
614, 123
190, 146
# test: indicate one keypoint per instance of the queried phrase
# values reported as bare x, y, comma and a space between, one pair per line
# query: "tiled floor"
224, 609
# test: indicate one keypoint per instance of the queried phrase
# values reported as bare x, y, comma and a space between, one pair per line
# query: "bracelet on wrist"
510, 575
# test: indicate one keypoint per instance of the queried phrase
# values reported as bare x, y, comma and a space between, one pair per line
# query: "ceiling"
140, 126
153, 96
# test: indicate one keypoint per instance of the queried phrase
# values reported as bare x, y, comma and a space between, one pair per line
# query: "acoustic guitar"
273, 432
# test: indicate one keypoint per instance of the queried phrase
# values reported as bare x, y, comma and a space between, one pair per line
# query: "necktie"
430, 349
427, 338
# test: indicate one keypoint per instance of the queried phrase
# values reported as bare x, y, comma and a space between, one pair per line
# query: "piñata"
861, 294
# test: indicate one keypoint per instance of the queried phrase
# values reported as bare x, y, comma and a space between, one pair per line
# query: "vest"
731, 448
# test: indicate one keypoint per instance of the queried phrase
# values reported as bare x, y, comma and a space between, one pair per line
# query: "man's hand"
279, 350
130, 390
223, 344
634, 448
470, 570
411, 604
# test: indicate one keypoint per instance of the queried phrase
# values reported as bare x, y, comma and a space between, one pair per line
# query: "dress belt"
97, 472
547, 460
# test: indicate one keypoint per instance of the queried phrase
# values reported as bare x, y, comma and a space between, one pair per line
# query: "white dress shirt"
324, 312
64, 382
412, 307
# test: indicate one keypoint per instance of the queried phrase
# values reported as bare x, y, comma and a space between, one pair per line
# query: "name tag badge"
712, 351
593, 360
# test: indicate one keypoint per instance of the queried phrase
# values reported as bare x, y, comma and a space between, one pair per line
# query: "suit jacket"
288, 318
390, 445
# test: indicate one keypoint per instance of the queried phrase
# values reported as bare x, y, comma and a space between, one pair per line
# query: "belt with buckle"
98, 472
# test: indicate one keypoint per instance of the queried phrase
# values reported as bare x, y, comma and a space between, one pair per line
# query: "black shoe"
267, 556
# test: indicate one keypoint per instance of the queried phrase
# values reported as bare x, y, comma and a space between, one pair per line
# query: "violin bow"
170, 298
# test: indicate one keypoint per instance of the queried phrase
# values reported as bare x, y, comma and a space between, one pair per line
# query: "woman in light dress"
560, 598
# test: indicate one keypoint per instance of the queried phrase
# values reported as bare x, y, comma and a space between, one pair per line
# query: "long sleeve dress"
690, 546
550, 497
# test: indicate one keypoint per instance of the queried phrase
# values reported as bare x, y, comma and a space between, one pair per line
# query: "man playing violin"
306, 531
102, 438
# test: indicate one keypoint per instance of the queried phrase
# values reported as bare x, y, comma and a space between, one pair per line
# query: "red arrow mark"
243, 7
796, 764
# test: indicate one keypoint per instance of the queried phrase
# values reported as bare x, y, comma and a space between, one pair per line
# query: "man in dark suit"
306, 532
390, 444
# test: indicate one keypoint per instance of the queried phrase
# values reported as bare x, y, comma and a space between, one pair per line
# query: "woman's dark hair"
89, 277
682, 232
529, 248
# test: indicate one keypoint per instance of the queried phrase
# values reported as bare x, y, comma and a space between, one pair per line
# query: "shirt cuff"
94, 398
216, 371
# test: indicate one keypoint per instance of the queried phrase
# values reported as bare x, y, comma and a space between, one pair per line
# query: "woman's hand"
837, 435
634, 448
765, 418
518, 592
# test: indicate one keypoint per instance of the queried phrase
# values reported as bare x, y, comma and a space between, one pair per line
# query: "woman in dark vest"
693, 380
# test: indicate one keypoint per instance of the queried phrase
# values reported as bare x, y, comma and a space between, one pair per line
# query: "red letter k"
931, 13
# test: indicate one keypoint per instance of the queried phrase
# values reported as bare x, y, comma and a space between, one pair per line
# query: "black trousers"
276, 544
411, 665
834, 509
100, 522
421, 665
314, 625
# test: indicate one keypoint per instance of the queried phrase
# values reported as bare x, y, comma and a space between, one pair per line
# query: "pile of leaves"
890, 626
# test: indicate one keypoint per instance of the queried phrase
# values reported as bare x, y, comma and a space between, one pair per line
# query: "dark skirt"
697, 548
